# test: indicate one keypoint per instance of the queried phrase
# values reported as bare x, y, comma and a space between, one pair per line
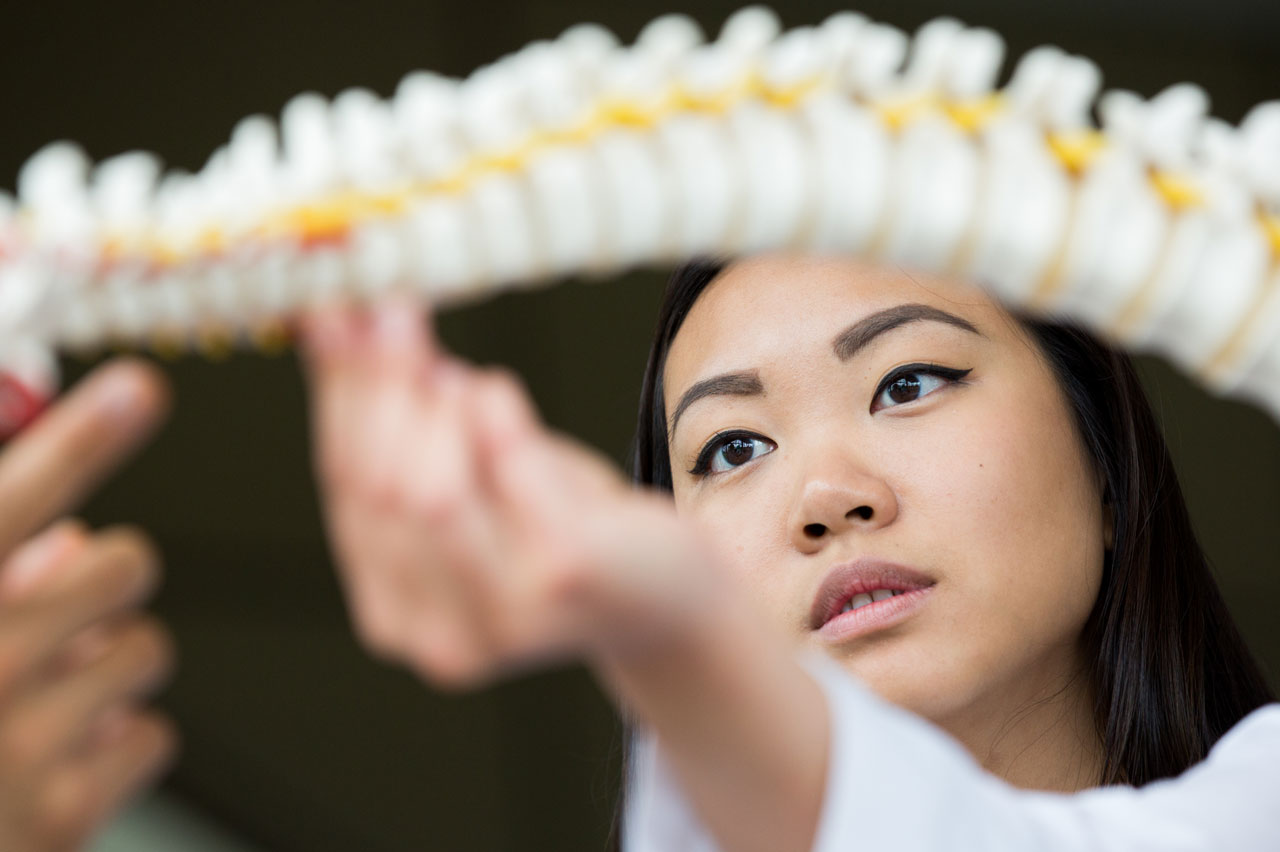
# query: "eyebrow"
846, 344
858, 336
746, 383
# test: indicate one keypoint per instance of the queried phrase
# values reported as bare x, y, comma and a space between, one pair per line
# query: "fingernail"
121, 393
31, 563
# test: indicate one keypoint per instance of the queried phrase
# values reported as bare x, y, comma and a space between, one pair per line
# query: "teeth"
859, 601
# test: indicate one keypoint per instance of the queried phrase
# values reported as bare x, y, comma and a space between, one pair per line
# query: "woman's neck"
1037, 735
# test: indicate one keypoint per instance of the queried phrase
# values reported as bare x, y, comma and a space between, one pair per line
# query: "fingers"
502, 414
395, 460
528, 592
409, 517
336, 336
352, 358
537, 479
455, 514
72, 664
408, 388
36, 560
56, 717
132, 748
57, 810
115, 570
605, 560
329, 336
56, 461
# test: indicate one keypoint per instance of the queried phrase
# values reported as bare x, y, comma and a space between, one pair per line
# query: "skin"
78, 658
982, 484
472, 541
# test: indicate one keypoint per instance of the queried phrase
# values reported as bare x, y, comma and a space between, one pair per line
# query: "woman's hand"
470, 538
76, 656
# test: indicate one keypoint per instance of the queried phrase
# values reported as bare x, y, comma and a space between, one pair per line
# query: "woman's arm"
742, 725
472, 541
895, 782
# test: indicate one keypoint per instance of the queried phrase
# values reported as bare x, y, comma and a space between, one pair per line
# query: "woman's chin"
903, 678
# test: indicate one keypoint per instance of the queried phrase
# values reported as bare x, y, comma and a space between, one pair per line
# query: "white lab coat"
897, 783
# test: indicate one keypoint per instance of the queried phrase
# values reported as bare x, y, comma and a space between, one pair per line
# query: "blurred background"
294, 739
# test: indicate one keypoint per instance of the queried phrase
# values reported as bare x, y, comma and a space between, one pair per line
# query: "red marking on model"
19, 405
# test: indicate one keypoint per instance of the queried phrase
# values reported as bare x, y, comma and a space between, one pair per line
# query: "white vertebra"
579, 154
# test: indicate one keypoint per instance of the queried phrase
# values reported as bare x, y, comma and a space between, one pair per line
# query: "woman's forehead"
775, 305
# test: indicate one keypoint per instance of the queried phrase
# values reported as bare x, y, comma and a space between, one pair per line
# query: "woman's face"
845, 430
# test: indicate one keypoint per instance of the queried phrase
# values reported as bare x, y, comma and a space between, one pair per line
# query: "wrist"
742, 725
668, 597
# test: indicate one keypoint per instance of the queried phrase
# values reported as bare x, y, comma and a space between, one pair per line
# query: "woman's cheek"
964, 481
1019, 500
747, 526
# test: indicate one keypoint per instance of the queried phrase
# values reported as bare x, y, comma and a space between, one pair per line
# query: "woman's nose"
840, 498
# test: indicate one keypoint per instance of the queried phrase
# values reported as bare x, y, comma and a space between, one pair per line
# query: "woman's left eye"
913, 382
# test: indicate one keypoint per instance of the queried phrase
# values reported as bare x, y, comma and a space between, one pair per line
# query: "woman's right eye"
725, 452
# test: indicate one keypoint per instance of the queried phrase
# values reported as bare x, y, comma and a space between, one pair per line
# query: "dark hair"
1171, 673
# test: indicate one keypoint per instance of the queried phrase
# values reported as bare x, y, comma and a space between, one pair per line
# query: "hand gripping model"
1160, 229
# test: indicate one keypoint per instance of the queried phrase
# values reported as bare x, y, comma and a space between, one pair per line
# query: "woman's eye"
730, 451
912, 383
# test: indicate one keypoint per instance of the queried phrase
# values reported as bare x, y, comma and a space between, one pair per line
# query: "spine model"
1158, 226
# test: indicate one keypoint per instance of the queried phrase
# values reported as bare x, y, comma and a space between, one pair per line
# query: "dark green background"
292, 735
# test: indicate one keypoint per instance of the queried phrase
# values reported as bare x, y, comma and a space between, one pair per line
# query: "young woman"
874, 474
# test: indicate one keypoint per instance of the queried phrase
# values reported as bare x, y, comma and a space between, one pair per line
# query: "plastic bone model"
1160, 228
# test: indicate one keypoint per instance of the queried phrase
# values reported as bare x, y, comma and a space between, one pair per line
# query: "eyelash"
949, 375
702, 466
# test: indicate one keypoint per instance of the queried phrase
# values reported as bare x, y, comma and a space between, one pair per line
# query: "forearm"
742, 725
897, 783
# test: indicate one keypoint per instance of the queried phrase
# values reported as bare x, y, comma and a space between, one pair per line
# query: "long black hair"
1171, 673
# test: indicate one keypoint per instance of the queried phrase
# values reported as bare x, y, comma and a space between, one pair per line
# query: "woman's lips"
857, 582
874, 616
